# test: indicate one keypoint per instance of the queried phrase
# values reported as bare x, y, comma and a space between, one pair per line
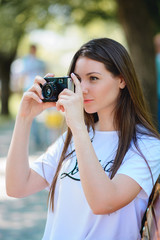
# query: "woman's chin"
89, 111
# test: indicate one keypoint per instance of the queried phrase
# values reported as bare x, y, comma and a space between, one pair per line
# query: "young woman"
100, 173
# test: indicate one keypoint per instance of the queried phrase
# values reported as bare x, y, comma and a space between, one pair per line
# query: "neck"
105, 123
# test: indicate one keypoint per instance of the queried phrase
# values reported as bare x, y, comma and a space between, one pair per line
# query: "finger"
32, 95
38, 90
39, 80
59, 106
66, 92
77, 84
49, 75
64, 97
48, 105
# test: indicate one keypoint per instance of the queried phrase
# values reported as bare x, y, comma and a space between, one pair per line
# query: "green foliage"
83, 12
18, 17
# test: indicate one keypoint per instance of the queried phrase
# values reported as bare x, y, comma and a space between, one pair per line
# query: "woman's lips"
88, 100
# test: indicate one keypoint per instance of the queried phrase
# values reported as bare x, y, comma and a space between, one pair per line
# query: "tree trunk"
138, 27
5, 64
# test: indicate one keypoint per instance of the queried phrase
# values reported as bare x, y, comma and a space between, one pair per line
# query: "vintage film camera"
53, 86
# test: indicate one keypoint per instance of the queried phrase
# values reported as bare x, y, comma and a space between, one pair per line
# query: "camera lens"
47, 91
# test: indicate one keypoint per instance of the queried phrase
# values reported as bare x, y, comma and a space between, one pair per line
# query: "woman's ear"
122, 83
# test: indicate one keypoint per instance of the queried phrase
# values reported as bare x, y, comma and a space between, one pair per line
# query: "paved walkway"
20, 219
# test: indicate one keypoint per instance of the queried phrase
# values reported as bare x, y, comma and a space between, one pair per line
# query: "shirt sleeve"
47, 163
135, 166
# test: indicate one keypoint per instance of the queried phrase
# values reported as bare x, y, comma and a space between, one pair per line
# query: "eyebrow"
89, 73
93, 73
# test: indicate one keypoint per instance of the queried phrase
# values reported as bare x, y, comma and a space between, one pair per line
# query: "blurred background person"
24, 71
31, 66
157, 59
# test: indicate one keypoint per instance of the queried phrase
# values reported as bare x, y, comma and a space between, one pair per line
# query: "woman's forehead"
89, 64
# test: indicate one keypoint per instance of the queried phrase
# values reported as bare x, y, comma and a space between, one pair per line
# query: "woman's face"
100, 88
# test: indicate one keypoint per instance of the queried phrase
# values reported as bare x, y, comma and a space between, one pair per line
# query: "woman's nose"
84, 87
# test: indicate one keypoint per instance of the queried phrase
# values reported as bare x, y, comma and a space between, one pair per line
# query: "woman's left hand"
72, 105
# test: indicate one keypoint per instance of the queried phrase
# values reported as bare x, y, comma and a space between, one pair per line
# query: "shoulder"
146, 140
144, 151
142, 159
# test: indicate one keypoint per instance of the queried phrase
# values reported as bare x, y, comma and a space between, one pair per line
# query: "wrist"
79, 129
24, 121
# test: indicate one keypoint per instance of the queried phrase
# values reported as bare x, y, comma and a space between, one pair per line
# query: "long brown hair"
131, 109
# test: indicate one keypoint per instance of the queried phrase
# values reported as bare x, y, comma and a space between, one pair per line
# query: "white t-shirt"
72, 218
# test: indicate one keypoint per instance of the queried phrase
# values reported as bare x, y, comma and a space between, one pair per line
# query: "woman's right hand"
31, 103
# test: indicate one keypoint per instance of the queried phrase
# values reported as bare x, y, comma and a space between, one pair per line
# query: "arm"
103, 195
20, 179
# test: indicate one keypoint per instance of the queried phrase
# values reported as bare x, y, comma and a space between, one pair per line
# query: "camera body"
54, 86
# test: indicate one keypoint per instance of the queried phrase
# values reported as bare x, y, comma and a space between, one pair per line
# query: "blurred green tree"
141, 21
16, 19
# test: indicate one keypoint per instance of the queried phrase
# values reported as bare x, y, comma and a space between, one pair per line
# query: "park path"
20, 219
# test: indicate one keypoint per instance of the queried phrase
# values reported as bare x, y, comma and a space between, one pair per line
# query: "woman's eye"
93, 78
